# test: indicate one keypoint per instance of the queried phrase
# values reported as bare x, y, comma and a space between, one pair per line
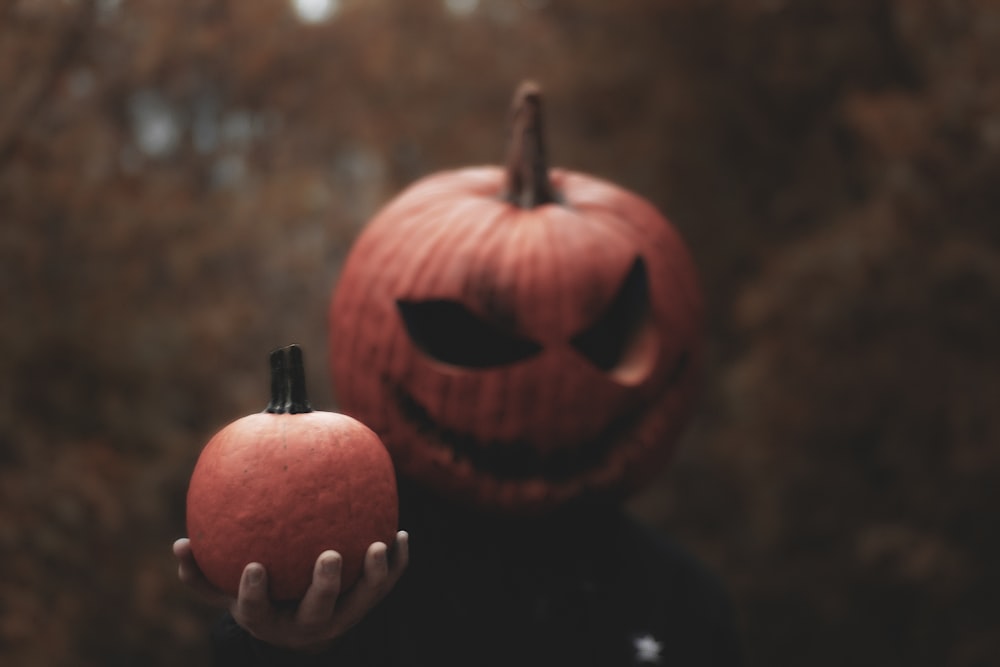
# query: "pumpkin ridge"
562, 384
492, 251
463, 254
456, 231
572, 253
666, 242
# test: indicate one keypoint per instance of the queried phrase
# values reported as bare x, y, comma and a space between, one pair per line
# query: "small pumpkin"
282, 486
519, 337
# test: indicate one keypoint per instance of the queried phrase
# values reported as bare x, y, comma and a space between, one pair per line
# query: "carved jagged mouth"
521, 459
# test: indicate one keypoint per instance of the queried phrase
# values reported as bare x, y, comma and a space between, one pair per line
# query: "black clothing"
581, 587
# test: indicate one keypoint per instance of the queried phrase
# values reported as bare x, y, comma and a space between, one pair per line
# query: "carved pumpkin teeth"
511, 460
521, 459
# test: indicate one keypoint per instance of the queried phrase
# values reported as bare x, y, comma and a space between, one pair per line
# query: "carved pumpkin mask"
519, 337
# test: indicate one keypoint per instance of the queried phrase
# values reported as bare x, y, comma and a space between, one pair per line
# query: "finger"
399, 556
252, 608
366, 593
191, 575
376, 564
182, 548
187, 569
320, 599
184, 554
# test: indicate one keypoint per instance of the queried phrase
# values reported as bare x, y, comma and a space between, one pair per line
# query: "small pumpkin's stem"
279, 382
288, 382
298, 399
527, 183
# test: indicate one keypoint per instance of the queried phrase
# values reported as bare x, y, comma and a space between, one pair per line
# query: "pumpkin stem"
298, 399
527, 183
279, 383
288, 382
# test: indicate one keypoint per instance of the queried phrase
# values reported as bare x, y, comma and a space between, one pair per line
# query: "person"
511, 552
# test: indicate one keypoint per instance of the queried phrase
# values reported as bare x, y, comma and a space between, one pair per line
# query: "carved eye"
448, 332
623, 340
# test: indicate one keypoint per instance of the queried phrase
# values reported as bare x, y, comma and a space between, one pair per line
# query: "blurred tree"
180, 181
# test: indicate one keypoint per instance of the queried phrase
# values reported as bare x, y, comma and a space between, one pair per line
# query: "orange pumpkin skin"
533, 422
279, 489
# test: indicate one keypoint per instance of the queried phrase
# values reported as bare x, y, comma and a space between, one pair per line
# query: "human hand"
323, 614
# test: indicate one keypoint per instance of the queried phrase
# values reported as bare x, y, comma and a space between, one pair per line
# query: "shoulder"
671, 589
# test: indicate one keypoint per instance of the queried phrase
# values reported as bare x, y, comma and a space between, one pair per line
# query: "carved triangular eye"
449, 333
622, 340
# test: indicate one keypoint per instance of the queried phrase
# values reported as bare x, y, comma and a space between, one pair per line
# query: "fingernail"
330, 565
380, 556
255, 575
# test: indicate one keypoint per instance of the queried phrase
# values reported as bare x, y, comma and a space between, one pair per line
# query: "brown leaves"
835, 166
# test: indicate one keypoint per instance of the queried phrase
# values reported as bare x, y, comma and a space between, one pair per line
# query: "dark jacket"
586, 586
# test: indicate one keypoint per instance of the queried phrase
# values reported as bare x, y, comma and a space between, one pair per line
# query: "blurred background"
180, 182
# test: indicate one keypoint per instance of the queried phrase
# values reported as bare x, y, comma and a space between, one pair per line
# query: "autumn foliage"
180, 183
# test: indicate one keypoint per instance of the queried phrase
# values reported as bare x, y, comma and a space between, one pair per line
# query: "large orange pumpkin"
282, 486
519, 337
